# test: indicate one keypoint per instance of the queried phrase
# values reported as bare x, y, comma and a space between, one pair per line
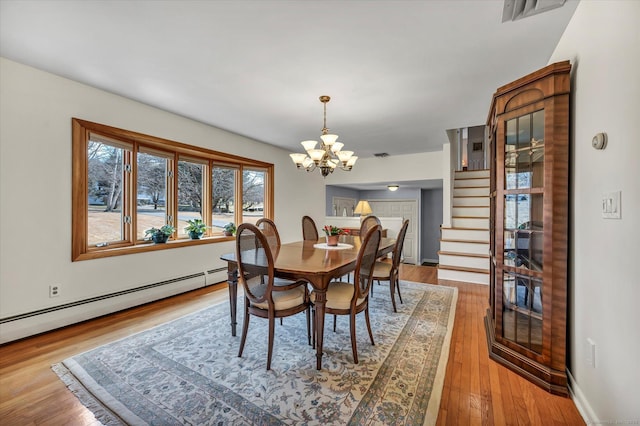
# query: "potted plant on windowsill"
229, 229
195, 228
160, 235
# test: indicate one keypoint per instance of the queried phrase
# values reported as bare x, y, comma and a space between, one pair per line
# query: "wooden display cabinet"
529, 132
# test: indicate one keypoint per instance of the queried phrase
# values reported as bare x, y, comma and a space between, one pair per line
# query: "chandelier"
330, 154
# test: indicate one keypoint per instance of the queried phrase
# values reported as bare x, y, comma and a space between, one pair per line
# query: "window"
125, 183
106, 178
190, 191
153, 172
252, 195
223, 197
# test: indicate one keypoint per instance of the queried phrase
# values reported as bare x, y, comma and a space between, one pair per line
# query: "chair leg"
308, 324
245, 326
366, 317
392, 290
313, 327
398, 288
272, 323
334, 323
352, 327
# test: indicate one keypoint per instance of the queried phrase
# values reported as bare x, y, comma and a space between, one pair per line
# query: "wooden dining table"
303, 260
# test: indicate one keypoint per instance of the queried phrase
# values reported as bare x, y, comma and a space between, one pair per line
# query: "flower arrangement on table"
333, 234
330, 230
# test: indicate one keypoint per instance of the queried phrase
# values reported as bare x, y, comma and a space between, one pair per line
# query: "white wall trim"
583, 406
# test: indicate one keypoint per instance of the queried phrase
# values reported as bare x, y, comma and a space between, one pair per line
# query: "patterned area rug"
187, 371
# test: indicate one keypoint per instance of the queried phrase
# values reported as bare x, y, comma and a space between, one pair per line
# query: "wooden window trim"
81, 131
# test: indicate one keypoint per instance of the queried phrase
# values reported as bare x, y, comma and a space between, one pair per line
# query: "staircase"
464, 248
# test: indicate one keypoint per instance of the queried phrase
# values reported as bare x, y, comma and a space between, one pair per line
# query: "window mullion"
238, 197
128, 197
172, 192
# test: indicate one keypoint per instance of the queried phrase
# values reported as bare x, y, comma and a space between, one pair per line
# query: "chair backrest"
255, 263
309, 229
270, 231
365, 262
397, 249
368, 223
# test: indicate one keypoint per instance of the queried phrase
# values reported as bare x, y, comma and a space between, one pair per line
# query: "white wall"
602, 42
35, 200
396, 169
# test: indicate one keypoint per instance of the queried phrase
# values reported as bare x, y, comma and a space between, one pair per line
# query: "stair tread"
463, 269
463, 254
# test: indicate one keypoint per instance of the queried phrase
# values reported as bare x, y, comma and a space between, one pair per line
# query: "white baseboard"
71, 313
583, 406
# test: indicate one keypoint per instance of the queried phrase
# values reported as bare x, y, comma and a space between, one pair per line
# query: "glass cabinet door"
522, 229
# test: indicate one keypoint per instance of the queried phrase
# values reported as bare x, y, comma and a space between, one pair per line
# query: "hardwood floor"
476, 389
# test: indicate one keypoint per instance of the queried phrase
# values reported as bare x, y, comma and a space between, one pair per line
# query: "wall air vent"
518, 9
381, 155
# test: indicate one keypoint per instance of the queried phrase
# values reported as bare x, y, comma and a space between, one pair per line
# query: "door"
406, 209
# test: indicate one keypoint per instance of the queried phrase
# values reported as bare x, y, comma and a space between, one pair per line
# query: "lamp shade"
363, 208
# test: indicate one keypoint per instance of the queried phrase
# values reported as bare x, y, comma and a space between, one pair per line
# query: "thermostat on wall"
599, 141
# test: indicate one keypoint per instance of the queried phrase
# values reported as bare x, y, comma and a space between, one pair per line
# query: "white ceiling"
399, 72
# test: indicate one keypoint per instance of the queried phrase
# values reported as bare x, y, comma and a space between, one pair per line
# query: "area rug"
187, 372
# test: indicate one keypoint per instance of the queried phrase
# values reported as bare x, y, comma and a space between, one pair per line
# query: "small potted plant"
333, 234
195, 228
229, 229
160, 235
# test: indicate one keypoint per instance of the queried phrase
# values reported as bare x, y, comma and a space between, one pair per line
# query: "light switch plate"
611, 205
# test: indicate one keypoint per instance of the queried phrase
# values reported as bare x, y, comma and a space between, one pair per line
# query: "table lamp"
363, 209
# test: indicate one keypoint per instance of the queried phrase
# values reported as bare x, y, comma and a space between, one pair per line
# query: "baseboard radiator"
30, 323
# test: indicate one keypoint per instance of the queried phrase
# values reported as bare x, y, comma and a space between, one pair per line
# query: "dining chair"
261, 297
309, 229
368, 223
385, 271
270, 231
344, 298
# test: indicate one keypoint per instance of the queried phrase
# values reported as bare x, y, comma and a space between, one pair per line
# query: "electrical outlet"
54, 290
590, 352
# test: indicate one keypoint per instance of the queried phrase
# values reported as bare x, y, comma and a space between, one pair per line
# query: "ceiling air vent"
518, 9
381, 155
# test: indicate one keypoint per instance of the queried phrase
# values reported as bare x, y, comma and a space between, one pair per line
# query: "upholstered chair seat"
382, 269
284, 299
339, 295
